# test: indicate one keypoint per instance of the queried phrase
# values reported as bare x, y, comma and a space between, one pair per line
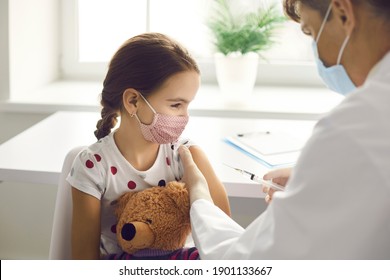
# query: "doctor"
337, 200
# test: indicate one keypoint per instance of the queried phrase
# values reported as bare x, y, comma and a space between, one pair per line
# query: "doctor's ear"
343, 10
130, 98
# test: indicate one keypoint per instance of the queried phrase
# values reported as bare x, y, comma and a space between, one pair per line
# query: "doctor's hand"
193, 179
278, 176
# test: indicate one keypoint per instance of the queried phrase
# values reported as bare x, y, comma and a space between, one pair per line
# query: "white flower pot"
236, 75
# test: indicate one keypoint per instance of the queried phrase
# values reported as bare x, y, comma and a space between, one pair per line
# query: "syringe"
258, 179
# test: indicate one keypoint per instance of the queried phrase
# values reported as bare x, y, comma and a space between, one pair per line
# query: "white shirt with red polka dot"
101, 170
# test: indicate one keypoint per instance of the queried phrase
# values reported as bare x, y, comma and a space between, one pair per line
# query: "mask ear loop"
342, 49
150, 106
324, 22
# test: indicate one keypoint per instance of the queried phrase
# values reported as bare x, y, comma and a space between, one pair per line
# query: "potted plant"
239, 38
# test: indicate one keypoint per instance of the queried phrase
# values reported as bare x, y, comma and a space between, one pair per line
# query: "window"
94, 29
64, 69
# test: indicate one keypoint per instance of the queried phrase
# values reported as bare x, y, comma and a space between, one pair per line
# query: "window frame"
282, 73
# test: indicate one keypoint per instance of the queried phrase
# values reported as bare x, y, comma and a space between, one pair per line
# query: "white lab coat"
337, 202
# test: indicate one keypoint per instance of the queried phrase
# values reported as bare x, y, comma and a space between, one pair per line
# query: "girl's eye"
176, 105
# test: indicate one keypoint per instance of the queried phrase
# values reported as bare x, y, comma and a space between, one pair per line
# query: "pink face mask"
164, 128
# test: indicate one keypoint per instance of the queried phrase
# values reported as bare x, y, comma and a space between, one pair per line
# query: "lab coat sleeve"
217, 236
204, 213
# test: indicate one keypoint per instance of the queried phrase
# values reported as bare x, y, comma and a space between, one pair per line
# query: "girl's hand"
278, 176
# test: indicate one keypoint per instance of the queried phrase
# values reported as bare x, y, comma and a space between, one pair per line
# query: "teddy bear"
154, 224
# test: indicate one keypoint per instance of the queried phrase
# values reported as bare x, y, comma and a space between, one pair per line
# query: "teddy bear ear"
122, 202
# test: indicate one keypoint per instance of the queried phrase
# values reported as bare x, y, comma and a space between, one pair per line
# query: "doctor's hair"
143, 63
379, 8
292, 11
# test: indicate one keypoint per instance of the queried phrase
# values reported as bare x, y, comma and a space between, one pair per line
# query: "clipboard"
273, 149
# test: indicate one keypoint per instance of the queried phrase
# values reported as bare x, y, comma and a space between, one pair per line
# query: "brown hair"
378, 7
143, 62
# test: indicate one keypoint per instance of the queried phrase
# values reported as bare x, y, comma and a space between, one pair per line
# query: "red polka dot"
131, 185
113, 228
168, 161
114, 170
89, 164
98, 158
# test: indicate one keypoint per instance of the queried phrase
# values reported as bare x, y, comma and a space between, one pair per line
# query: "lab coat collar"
381, 66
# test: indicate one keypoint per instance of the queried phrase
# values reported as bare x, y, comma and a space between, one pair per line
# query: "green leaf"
252, 32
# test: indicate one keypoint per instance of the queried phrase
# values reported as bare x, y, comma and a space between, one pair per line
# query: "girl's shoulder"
99, 152
172, 158
103, 145
104, 142
182, 141
171, 150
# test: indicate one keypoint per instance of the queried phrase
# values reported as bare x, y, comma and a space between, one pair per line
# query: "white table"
36, 155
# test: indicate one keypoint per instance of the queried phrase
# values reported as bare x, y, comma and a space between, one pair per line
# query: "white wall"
245, 210
26, 215
26, 210
33, 44
4, 51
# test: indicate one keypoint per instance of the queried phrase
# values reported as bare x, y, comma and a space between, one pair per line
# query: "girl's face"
172, 98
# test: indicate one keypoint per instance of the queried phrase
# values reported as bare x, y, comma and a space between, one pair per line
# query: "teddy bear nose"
128, 231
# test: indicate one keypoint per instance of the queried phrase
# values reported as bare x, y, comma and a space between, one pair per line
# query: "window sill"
265, 102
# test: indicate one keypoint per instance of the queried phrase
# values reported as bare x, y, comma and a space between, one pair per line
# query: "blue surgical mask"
335, 77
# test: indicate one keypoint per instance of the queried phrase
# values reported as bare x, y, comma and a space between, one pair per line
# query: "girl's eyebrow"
178, 100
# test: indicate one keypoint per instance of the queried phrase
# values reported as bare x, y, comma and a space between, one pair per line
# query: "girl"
149, 84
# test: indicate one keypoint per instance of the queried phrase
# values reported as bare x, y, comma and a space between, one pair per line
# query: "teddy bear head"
154, 218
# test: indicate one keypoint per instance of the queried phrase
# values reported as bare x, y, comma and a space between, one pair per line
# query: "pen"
258, 179
252, 133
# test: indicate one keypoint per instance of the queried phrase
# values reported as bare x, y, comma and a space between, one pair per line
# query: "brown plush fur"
158, 218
